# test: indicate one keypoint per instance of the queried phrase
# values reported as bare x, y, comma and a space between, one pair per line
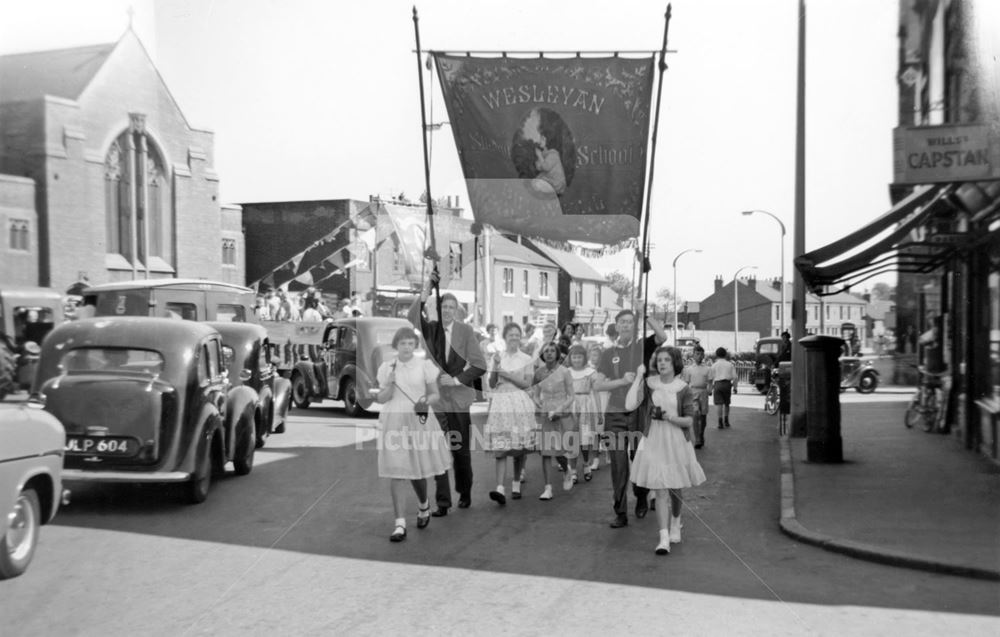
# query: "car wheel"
867, 384
243, 462
17, 546
201, 481
300, 391
350, 395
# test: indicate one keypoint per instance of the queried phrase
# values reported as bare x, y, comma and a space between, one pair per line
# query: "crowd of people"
309, 305
631, 399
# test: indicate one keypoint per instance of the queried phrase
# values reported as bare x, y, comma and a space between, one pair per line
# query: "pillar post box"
822, 375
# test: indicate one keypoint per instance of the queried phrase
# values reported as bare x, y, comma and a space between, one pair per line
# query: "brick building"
584, 295
123, 186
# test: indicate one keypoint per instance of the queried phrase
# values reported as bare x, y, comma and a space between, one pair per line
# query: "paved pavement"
301, 546
902, 496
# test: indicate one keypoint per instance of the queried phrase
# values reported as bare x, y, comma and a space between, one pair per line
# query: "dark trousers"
623, 429
456, 429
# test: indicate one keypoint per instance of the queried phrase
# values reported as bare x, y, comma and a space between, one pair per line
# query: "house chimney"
718, 283
777, 284
752, 282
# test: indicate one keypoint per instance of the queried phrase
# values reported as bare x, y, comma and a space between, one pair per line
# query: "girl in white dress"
411, 445
510, 422
665, 460
585, 407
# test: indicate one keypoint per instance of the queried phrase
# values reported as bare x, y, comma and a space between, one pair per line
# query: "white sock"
401, 522
500, 489
426, 504
515, 486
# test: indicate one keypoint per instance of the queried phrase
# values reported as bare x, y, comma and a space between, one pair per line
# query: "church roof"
60, 73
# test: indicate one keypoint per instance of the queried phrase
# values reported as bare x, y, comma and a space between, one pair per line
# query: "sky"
311, 99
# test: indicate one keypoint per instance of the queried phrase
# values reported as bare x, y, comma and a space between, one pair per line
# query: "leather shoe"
439, 512
497, 497
464, 503
619, 522
641, 508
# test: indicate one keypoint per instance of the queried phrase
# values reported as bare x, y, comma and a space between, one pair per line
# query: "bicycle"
925, 407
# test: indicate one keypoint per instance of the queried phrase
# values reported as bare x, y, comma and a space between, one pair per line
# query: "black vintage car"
257, 393
142, 400
766, 353
344, 368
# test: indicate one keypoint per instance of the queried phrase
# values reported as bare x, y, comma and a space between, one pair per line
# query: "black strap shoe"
423, 517
497, 497
398, 535
641, 508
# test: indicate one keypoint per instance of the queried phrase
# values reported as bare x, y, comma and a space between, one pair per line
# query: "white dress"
407, 448
510, 424
665, 459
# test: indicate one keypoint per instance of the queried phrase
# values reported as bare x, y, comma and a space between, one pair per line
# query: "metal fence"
744, 372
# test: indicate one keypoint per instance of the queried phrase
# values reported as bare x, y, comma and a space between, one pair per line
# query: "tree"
620, 284
883, 291
667, 298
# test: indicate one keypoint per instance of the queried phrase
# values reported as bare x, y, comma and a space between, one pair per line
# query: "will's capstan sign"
934, 154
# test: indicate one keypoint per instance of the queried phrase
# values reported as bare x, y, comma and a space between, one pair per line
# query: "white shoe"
675, 529
568, 481
663, 548
547, 494
595, 465
522, 477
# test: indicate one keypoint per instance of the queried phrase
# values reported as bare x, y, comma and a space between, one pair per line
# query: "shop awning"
895, 242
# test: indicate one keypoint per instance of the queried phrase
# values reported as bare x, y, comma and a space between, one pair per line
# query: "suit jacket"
464, 360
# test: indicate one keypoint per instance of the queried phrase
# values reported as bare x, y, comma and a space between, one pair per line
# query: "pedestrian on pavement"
510, 421
410, 449
454, 348
560, 435
723, 377
621, 425
585, 408
696, 376
665, 461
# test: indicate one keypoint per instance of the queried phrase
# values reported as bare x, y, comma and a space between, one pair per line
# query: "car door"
345, 354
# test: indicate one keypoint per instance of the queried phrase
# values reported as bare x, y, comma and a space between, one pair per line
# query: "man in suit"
455, 349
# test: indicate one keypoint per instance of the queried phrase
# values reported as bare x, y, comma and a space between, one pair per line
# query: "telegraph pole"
798, 406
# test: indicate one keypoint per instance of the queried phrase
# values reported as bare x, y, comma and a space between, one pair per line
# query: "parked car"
142, 400
344, 368
257, 392
189, 299
27, 315
766, 352
31, 460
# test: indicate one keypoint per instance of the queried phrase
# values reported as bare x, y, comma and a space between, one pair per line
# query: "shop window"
597, 295
578, 294
527, 288
543, 284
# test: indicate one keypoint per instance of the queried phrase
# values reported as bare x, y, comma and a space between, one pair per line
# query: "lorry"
711, 340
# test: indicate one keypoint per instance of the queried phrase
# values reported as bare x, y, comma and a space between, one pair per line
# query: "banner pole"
432, 252
644, 273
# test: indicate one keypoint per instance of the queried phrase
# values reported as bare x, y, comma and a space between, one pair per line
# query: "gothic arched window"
139, 215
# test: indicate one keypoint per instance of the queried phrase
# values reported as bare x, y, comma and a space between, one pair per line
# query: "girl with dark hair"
409, 448
554, 397
510, 422
664, 460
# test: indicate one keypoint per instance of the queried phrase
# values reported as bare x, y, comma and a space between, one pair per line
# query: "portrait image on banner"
552, 148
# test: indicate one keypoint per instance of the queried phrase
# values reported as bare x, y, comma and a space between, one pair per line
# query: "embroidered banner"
552, 148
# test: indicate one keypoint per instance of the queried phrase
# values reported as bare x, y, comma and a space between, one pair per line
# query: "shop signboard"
951, 153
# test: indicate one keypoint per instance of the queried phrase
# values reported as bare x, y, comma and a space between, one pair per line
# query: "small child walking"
585, 408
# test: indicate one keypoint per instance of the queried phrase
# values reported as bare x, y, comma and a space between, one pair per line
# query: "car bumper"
77, 475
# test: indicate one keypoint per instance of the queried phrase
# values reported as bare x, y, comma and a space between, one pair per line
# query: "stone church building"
102, 178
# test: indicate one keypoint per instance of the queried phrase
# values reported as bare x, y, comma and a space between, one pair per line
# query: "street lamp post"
736, 306
675, 288
781, 319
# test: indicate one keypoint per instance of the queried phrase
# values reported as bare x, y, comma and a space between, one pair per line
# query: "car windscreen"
118, 360
769, 348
